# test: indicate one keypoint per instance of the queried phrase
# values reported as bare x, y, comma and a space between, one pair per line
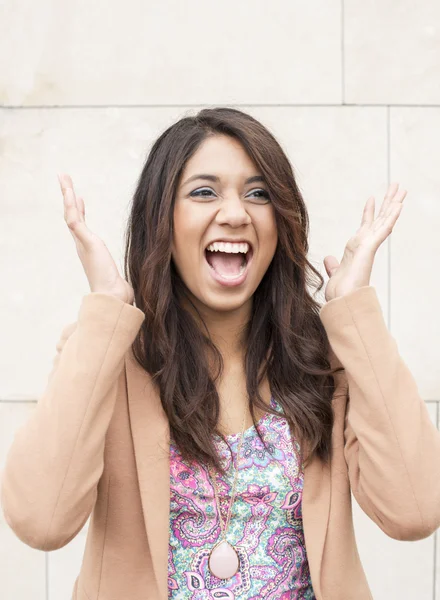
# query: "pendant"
223, 560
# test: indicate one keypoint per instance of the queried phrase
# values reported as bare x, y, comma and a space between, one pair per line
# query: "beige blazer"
96, 444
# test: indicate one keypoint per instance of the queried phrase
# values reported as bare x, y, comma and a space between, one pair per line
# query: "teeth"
229, 247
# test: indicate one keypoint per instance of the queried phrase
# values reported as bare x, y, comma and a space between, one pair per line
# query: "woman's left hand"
356, 265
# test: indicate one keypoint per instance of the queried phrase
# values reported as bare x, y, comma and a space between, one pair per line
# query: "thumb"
331, 265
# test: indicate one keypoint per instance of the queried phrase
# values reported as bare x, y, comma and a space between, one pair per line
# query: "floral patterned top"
265, 526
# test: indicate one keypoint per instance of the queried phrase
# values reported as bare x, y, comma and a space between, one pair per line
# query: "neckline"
233, 436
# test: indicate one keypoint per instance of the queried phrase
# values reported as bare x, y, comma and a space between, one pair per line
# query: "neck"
226, 329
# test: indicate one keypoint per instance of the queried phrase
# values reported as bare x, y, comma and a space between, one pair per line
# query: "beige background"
350, 88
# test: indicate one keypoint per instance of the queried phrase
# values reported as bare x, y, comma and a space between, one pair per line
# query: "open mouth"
229, 265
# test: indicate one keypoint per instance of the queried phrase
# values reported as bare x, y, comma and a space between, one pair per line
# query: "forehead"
220, 155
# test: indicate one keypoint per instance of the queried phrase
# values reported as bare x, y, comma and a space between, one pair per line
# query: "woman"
210, 415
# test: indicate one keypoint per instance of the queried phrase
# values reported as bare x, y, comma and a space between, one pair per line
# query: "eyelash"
196, 193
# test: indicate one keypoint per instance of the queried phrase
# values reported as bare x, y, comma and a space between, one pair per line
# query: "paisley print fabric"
265, 526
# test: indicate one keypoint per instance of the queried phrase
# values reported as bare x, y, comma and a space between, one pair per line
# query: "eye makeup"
198, 193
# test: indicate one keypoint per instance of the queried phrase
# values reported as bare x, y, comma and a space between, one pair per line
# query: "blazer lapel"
150, 432
315, 515
317, 491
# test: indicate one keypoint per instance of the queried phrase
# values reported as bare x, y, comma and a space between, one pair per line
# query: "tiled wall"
351, 89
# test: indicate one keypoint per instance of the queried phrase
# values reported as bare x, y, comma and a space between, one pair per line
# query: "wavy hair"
285, 338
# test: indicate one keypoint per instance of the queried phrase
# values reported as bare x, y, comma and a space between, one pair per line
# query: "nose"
233, 212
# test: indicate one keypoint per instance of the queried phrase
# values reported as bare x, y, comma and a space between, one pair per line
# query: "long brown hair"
285, 338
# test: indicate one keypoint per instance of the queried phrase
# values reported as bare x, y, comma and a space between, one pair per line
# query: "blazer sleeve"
391, 446
52, 469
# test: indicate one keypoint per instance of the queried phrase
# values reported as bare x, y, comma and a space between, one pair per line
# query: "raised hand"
356, 265
100, 268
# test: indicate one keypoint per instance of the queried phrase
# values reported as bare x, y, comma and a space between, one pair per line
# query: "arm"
49, 484
392, 448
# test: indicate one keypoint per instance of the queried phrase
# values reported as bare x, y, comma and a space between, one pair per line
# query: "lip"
229, 282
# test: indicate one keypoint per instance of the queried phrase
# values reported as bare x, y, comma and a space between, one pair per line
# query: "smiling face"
232, 204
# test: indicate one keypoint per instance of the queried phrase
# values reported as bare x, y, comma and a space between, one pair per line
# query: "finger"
368, 212
73, 214
66, 186
70, 200
77, 226
81, 207
65, 182
394, 215
392, 189
331, 264
400, 196
390, 193
397, 201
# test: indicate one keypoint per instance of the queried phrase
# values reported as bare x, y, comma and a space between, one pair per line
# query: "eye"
206, 192
198, 193
264, 194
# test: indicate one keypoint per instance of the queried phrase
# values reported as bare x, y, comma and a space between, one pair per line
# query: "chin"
223, 303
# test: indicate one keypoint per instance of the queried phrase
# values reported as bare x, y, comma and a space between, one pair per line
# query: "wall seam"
47, 574
236, 104
436, 534
388, 159
343, 51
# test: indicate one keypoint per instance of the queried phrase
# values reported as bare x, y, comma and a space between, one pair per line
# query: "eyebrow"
216, 179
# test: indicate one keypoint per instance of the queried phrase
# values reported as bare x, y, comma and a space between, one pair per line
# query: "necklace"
223, 559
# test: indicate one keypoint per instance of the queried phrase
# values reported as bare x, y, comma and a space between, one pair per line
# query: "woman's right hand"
99, 266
